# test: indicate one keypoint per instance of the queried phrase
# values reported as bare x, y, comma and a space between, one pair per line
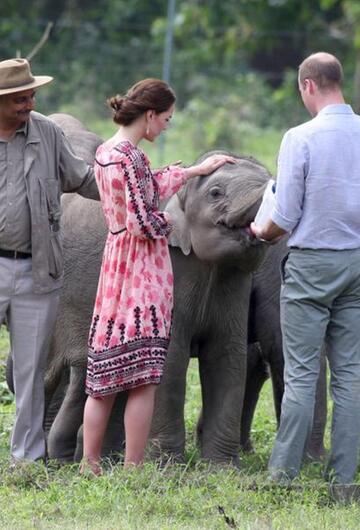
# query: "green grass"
6, 398
193, 496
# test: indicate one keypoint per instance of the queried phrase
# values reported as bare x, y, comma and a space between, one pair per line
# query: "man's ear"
311, 85
180, 234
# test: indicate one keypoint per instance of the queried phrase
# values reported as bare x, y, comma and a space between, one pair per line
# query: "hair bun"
116, 102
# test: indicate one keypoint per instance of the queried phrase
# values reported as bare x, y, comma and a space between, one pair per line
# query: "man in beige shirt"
36, 166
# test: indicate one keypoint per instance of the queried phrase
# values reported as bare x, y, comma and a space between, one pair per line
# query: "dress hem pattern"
126, 366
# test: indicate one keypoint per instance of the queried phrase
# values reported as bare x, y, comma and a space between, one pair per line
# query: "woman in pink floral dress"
131, 323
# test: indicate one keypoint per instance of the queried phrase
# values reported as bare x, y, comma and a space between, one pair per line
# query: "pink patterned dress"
130, 329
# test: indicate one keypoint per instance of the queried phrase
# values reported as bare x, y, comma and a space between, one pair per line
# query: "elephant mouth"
241, 231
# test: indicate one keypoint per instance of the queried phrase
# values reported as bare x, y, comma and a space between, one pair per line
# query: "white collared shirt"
318, 182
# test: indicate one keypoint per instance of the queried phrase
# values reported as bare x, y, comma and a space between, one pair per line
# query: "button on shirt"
318, 183
15, 220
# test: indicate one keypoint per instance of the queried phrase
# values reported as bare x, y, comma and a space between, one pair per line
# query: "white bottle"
267, 205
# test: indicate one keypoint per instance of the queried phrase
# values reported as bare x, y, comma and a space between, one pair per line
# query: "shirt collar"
339, 108
23, 129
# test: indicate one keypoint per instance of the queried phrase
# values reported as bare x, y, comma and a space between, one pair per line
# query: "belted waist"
14, 254
119, 232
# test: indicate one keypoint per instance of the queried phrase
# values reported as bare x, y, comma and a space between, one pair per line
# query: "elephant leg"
62, 437
9, 373
54, 399
277, 379
167, 438
256, 376
315, 447
223, 378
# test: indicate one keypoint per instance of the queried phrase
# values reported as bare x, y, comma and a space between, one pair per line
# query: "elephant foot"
60, 459
247, 447
166, 454
315, 453
221, 463
165, 460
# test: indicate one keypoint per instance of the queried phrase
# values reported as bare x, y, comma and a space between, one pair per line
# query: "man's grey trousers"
320, 301
31, 318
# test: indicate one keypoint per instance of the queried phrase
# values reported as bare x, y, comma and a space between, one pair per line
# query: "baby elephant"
213, 257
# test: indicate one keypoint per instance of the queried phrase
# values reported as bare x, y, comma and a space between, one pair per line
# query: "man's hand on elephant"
256, 232
269, 234
209, 165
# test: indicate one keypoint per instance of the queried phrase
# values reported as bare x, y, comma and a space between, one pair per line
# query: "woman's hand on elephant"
209, 165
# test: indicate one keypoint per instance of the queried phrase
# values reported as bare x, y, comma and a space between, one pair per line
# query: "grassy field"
192, 496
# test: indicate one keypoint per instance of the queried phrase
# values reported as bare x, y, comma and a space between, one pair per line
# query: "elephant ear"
180, 234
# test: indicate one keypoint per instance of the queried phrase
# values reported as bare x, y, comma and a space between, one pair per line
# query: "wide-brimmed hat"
15, 76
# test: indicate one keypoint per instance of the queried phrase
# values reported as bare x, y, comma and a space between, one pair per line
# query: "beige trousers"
31, 319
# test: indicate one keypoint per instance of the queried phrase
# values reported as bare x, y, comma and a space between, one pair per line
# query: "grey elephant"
213, 257
211, 287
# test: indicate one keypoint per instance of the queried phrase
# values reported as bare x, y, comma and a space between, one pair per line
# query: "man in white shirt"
318, 203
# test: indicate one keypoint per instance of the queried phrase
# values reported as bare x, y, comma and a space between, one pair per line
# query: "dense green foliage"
222, 51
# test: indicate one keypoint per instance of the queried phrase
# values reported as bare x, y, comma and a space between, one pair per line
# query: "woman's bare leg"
96, 416
138, 415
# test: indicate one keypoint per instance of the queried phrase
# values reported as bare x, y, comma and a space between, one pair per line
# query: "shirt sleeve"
290, 185
169, 180
76, 175
142, 218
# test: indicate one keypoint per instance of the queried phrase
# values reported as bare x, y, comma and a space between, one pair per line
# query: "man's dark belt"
14, 254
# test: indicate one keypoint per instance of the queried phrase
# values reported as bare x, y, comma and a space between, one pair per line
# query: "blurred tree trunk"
356, 96
352, 17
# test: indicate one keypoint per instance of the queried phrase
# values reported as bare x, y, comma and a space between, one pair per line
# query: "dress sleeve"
142, 218
169, 180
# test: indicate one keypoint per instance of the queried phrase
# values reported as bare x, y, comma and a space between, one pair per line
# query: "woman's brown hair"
148, 94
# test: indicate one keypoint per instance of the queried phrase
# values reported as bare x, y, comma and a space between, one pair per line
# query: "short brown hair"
323, 68
148, 94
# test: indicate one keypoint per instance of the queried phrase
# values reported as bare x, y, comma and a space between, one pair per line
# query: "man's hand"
270, 233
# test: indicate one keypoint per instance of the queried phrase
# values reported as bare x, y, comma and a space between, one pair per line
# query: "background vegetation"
233, 63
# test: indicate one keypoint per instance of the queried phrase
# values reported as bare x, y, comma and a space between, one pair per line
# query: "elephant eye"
216, 192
